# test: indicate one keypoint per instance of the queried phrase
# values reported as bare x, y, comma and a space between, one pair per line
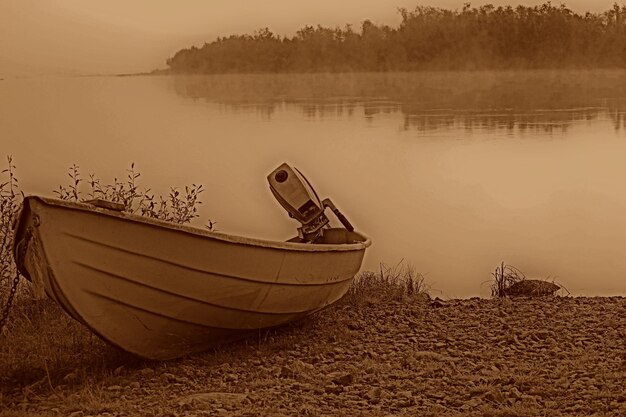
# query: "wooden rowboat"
161, 290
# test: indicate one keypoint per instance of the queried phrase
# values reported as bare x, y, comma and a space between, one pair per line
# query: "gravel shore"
557, 356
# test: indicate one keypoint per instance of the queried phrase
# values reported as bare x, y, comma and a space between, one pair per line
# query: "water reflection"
549, 122
538, 101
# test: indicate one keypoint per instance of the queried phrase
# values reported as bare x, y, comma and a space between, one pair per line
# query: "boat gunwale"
229, 238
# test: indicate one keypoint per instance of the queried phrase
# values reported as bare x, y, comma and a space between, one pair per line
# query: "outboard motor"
294, 192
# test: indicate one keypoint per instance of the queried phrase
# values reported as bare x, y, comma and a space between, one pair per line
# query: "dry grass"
43, 348
396, 282
505, 276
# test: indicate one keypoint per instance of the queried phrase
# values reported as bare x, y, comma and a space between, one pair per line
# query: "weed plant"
10, 200
178, 207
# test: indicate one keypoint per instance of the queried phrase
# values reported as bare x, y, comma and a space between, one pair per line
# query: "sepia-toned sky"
58, 37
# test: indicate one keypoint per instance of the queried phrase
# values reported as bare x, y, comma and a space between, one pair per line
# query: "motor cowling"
294, 192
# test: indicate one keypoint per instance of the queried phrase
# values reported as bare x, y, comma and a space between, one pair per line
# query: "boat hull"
161, 291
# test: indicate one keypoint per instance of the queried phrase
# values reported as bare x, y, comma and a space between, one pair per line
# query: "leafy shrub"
177, 207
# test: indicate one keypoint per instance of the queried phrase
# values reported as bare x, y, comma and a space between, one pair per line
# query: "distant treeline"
428, 38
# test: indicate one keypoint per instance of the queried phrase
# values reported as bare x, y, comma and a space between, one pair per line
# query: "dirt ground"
410, 356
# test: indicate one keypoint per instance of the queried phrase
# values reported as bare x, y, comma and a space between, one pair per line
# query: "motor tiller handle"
340, 216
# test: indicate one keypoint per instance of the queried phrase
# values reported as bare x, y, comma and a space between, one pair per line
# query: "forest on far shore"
428, 38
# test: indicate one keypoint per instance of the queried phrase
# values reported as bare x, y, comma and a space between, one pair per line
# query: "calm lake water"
450, 172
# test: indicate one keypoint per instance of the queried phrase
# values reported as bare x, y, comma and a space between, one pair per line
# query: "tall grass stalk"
394, 282
505, 276
10, 200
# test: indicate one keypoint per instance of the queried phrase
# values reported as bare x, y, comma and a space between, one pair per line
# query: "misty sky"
119, 36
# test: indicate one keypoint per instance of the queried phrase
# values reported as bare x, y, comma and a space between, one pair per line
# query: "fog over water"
451, 186
39, 37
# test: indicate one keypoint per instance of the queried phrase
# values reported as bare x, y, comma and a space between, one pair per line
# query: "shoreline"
376, 354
